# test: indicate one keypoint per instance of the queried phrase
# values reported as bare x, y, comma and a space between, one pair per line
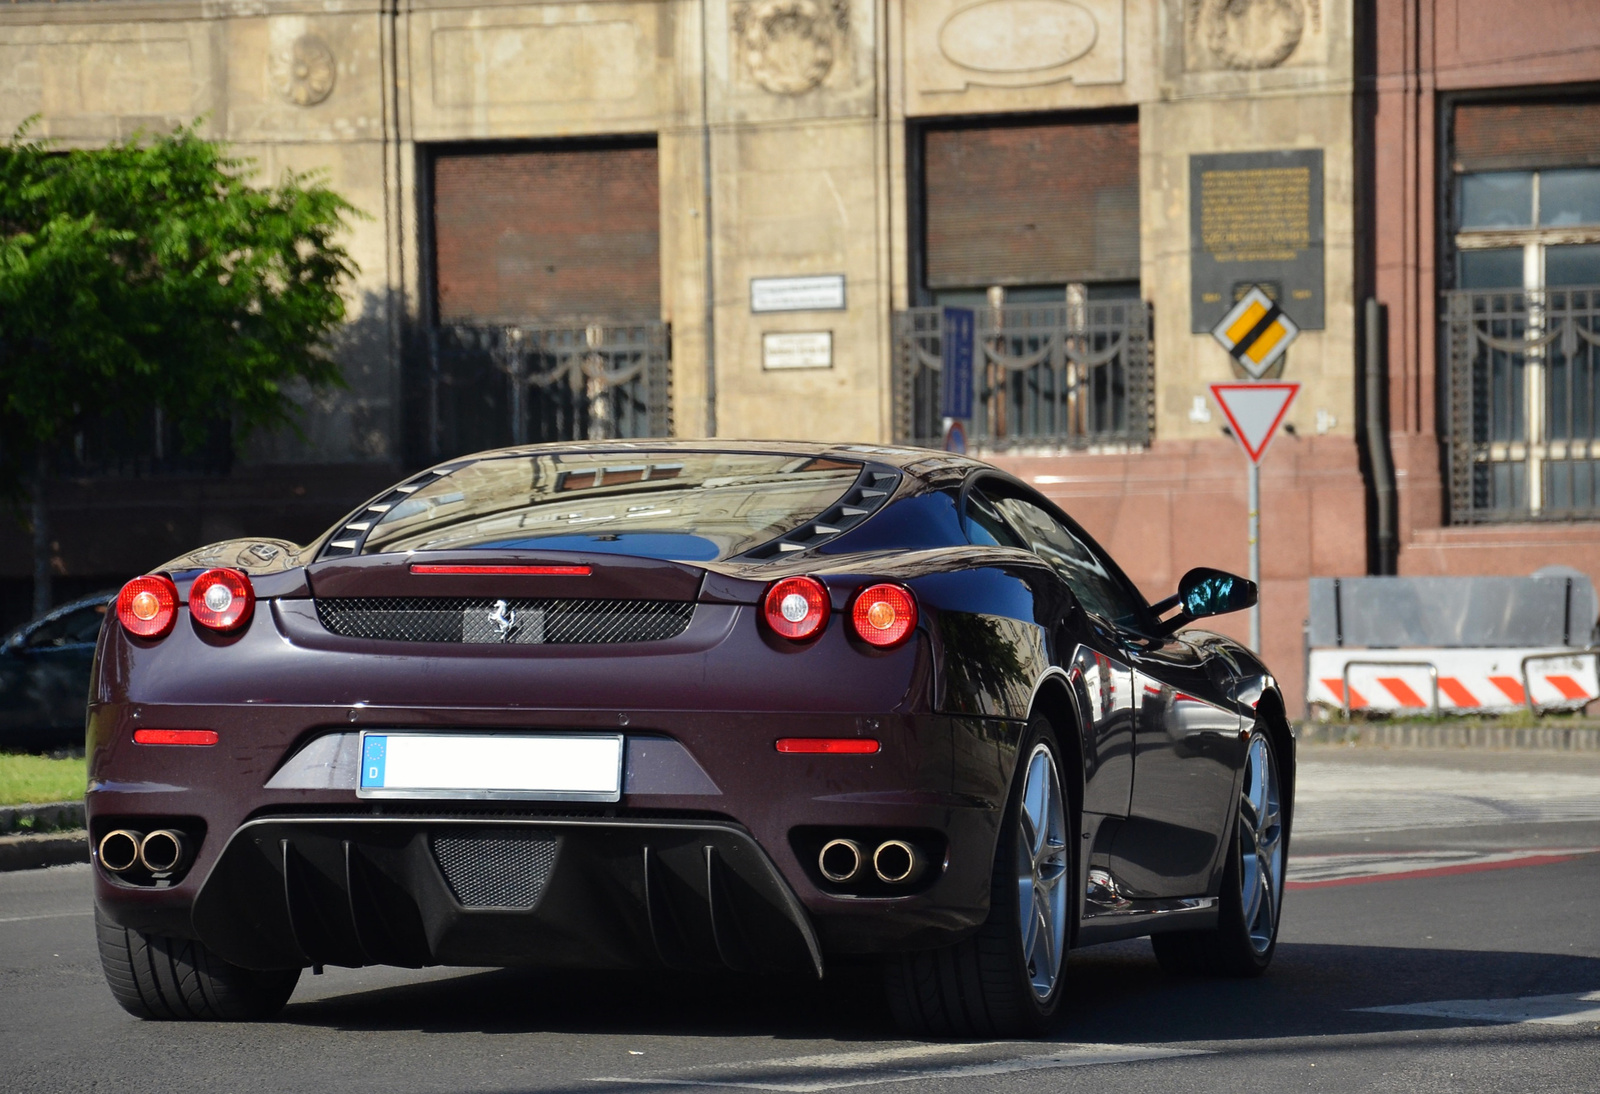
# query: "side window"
1096, 589
985, 526
81, 627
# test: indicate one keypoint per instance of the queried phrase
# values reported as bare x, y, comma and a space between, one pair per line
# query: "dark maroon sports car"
683, 705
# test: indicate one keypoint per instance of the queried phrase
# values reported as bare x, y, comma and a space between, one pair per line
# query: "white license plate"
549, 767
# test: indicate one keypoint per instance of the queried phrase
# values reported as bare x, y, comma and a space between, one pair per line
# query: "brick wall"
1504, 136
1032, 204
559, 234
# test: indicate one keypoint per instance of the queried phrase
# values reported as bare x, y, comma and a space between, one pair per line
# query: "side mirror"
1204, 591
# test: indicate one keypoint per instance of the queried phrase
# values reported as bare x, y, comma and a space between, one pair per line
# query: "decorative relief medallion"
304, 72
1250, 34
1018, 36
789, 46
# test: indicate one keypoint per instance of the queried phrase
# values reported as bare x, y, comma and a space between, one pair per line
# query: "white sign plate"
797, 349
823, 293
1255, 411
546, 767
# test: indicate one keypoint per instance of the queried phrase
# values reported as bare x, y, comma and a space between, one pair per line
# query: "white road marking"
1321, 871
1575, 1009
860, 1069
47, 915
1332, 798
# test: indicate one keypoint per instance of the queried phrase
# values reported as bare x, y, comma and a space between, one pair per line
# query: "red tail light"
147, 605
222, 599
884, 615
797, 607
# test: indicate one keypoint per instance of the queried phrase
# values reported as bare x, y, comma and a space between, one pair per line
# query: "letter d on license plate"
529, 767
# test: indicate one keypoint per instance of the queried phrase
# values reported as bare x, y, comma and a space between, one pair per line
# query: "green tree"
150, 273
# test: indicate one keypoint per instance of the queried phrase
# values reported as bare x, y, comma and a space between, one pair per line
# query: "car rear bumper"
705, 794
582, 892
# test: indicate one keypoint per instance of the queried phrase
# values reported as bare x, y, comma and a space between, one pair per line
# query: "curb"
47, 817
32, 852
1487, 738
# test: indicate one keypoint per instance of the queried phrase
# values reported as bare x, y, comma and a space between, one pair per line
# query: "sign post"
1254, 412
956, 351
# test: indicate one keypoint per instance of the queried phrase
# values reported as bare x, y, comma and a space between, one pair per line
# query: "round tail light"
884, 615
797, 607
147, 605
221, 599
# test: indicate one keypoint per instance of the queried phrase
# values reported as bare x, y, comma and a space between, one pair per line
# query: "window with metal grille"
1523, 320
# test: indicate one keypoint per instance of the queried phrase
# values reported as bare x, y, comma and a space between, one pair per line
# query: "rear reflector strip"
857, 745
541, 571
175, 736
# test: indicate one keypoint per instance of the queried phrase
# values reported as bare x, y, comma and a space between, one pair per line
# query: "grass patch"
34, 780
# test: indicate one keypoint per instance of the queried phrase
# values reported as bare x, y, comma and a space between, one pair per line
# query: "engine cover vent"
482, 620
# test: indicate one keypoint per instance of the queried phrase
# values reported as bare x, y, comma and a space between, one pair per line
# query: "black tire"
1232, 949
179, 979
981, 987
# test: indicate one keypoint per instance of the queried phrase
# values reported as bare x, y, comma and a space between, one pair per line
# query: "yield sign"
1255, 411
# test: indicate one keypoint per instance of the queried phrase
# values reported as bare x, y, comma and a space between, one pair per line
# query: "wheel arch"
1271, 714
1053, 699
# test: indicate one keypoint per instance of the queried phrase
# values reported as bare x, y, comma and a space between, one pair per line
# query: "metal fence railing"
1523, 435
1075, 375
501, 385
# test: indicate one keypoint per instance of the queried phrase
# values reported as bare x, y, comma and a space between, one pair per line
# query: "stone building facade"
675, 167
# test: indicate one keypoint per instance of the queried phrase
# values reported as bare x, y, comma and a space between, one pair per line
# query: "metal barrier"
1051, 375
1433, 675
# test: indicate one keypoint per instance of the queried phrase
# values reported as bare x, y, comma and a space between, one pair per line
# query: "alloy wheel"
1041, 872
1260, 846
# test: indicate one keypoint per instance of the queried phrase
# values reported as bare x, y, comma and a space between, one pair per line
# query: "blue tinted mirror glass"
1212, 592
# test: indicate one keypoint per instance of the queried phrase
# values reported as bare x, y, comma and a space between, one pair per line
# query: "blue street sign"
956, 341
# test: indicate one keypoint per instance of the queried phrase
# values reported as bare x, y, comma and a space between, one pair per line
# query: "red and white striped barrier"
1402, 680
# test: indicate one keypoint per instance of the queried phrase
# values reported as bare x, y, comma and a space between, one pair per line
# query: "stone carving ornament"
305, 71
789, 45
1250, 34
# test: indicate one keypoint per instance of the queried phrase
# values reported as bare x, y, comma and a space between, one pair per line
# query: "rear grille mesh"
499, 868
514, 622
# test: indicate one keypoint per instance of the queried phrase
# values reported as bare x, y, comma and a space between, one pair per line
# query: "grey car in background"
44, 676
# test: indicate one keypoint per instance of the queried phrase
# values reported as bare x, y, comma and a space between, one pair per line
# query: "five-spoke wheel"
1042, 864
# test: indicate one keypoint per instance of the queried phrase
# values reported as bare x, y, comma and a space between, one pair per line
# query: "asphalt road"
1441, 934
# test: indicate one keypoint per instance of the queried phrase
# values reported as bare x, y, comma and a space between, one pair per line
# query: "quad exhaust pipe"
160, 852
897, 862
119, 850
163, 851
841, 860
894, 862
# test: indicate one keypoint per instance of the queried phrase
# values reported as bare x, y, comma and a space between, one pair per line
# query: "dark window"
79, 628
1085, 573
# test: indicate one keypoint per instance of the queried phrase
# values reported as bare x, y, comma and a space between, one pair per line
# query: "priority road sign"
1256, 332
1255, 411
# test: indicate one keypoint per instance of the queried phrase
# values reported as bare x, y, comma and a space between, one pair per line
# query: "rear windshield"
685, 506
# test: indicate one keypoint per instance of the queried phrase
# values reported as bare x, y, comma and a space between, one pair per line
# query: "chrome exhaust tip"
163, 851
897, 862
840, 860
119, 849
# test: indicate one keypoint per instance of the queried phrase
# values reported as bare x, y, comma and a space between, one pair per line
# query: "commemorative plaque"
1255, 220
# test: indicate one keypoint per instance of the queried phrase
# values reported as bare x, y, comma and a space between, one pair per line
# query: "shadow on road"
1118, 995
